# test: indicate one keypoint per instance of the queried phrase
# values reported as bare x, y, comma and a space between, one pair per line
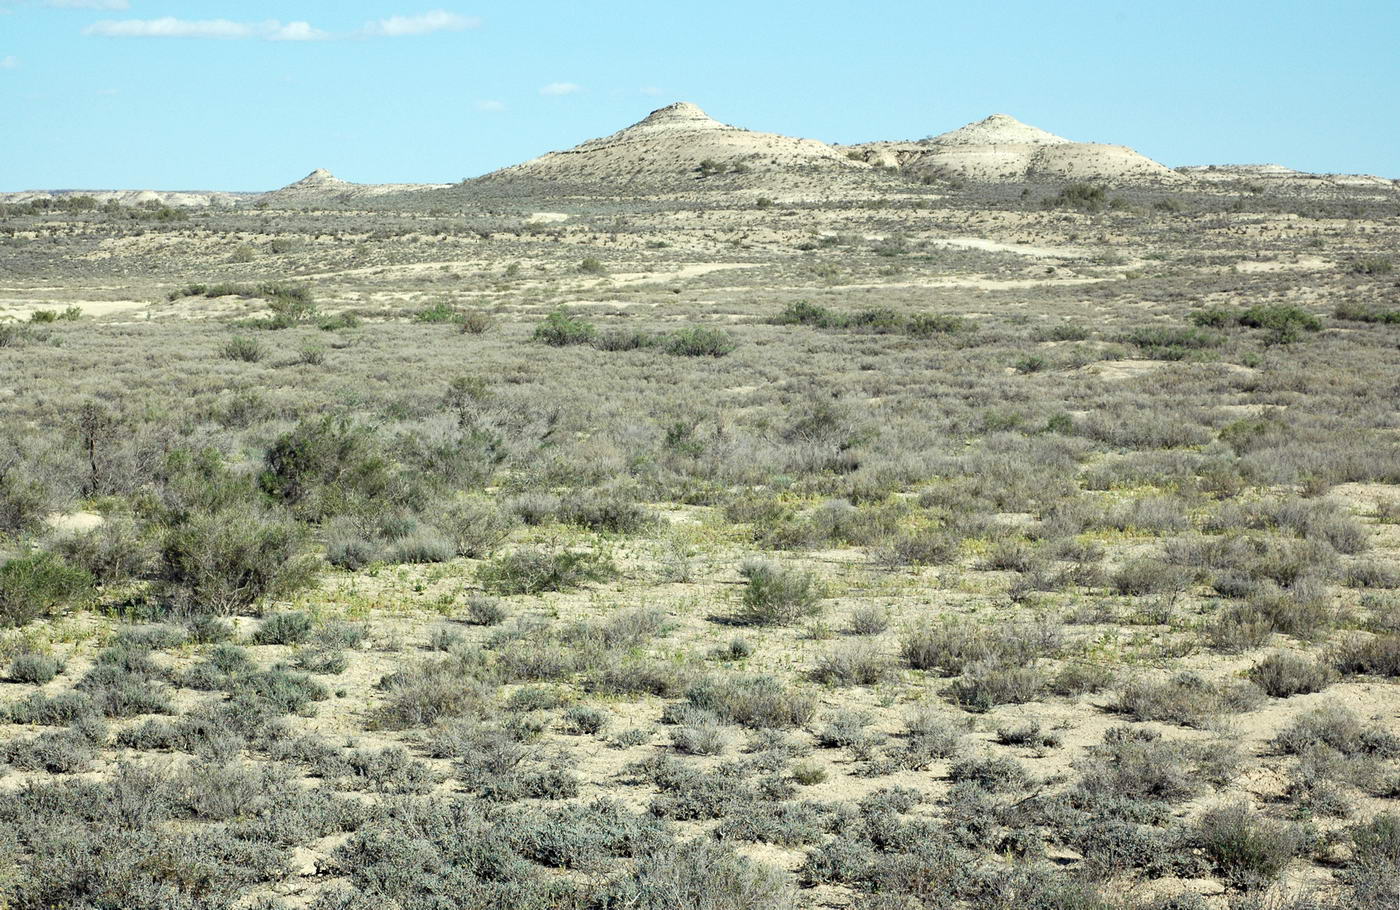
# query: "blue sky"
253, 94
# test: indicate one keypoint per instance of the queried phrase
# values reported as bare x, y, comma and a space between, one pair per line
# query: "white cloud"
9, 63
651, 90
269, 30
170, 27
561, 88
227, 29
421, 24
297, 31
88, 4
491, 107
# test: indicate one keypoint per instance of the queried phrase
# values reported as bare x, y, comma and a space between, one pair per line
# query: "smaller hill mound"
674, 147
1276, 176
321, 187
1002, 148
998, 129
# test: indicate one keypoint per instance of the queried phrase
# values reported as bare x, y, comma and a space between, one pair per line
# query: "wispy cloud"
651, 90
170, 27
297, 31
421, 24
9, 63
561, 88
88, 4
267, 30
491, 107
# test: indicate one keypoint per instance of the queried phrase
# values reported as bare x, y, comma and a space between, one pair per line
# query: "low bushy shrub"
35, 586
777, 595
535, 569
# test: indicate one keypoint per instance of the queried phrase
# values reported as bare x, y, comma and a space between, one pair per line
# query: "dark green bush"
35, 586
226, 561
699, 341
560, 329
239, 347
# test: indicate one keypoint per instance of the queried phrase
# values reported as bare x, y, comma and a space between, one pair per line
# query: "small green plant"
777, 595
438, 312
247, 350
592, 265
699, 341
560, 329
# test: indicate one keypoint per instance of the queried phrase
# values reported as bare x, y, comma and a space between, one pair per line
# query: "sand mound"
677, 145
321, 186
998, 129
1002, 148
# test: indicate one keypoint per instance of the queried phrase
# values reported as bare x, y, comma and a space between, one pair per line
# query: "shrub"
993, 773
61, 752
428, 693
1377, 655
584, 720
988, 683
1372, 873
700, 874
422, 546
700, 735
757, 701
951, 645
1185, 699
926, 325
31, 667
1371, 265
477, 322
248, 350
291, 628
858, 664
1142, 577
475, 527
225, 561
438, 312
606, 510
1286, 322
560, 329
591, 265
699, 341
1173, 342
328, 467
1336, 727
803, 312
116, 552
777, 595
868, 620
1083, 196
34, 586
1282, 675
535, 569
1249, 850
485, 611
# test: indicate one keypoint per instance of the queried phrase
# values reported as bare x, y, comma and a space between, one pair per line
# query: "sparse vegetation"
565, 560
